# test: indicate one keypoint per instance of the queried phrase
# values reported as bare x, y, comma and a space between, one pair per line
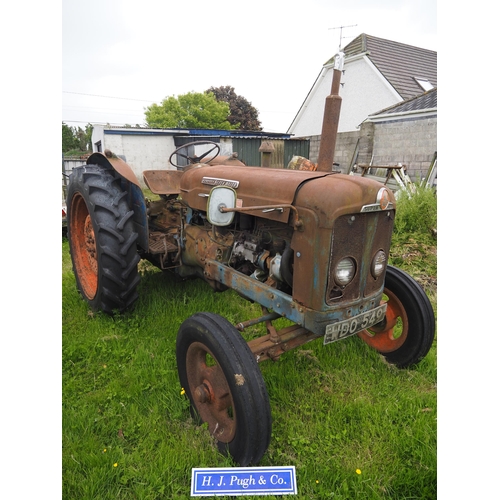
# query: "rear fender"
132, 186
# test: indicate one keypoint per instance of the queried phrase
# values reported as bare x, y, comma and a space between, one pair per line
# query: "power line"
108, 96
94, 109
121, 124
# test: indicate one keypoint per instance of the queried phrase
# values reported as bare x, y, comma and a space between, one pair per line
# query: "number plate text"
348, 327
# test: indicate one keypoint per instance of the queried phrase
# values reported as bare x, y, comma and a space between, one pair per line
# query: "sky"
120, 56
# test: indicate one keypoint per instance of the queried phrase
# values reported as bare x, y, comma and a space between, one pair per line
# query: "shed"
150, 149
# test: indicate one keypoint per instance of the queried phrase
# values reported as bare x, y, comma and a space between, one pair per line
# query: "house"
377, 74
389, 107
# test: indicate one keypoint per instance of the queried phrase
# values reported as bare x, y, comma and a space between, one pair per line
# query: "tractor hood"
255, 186
258, 186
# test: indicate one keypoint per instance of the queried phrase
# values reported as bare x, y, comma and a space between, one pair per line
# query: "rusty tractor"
310, 245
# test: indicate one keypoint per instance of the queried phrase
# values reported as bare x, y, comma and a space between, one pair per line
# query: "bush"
416, 212
413, 246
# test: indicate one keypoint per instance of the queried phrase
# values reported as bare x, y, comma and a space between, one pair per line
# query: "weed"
416, 212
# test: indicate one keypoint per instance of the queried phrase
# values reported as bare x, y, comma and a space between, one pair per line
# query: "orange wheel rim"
82, 239
392, 335
210, 392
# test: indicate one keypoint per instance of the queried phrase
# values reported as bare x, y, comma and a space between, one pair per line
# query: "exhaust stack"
331, 118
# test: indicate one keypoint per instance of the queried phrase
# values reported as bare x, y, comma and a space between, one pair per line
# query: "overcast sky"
119, 56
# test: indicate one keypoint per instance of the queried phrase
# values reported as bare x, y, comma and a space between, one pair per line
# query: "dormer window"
424, 83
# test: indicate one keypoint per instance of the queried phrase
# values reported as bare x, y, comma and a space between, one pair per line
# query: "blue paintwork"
196, 132
282, 303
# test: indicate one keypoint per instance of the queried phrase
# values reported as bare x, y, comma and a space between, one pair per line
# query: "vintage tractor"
308, 245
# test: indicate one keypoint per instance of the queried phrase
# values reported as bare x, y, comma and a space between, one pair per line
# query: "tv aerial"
341, 28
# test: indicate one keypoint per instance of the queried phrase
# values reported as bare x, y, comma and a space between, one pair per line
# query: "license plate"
348, 327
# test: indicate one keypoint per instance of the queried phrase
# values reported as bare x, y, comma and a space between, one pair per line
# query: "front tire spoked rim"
210, 391
394, 332
84, 247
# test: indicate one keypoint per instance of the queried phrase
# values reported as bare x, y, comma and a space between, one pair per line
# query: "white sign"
243, 481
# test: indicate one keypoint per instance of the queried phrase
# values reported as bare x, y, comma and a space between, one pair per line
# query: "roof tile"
426, 100
399, 63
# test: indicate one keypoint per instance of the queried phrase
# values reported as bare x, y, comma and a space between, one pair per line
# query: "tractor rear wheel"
407, 333
102, 239
225, 386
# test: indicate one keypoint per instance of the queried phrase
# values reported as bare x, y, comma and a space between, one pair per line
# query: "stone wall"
411, 142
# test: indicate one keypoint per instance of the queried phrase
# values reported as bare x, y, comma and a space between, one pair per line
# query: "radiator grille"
358, 236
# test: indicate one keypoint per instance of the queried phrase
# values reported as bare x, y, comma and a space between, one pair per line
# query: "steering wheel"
195, 159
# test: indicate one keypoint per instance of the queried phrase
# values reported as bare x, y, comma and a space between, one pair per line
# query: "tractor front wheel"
102, 239
407, 333
225, 386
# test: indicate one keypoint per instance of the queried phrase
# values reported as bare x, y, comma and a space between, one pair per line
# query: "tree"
69, 141
241, 110
191, 110
76, 138
84, 138
89, 128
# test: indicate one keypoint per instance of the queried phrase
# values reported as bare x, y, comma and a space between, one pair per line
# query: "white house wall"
309, 120
363, 91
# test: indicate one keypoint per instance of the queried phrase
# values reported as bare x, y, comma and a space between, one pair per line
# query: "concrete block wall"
412, 142
344, 149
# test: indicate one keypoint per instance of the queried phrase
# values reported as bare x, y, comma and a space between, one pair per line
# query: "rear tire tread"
114, 233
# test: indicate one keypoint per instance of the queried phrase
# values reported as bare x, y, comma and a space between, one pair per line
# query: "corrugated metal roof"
399, 63
116, 130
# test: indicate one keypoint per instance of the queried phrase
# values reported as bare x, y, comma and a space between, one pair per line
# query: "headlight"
345, 271
383, 198
378, 264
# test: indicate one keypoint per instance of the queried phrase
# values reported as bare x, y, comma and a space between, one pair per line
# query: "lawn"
352, 425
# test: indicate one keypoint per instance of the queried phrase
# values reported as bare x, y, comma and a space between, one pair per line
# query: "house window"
424, 83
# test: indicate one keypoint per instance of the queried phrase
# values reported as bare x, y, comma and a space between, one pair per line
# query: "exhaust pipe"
331, 118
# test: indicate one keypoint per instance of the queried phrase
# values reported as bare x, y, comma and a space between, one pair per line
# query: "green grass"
127, 431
